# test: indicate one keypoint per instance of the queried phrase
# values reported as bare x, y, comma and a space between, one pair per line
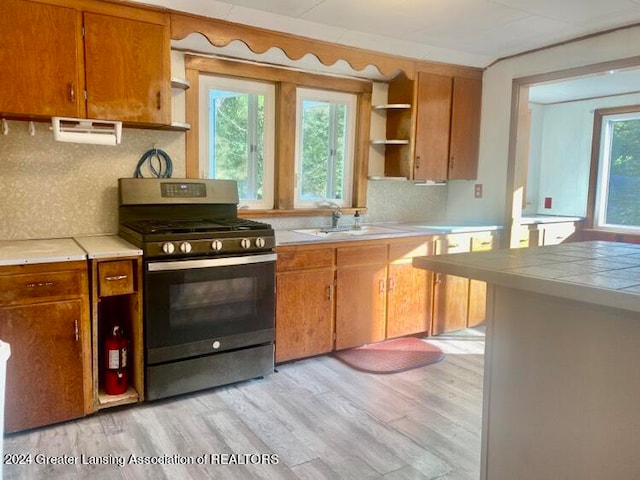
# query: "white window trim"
212, 82
602, 185
327, 96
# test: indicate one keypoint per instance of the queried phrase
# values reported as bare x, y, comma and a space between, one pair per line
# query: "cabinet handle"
488, 242
453, 245
75, 326
159, 100
418, 161
392, 284
72, 93
438, 279
115, 278
39, 284
452, 163
381, 286
329, 292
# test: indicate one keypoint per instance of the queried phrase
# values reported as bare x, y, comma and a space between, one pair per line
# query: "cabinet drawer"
366, 255
115, 278
456, 243
40, 286
557, 233
407, 250
300, 259
483, 241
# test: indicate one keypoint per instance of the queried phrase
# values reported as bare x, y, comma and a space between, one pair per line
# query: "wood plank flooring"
318, 418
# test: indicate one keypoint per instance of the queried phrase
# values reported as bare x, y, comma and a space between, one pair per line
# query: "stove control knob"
185, 247
245, 243
216, 245
260, 242
168, 248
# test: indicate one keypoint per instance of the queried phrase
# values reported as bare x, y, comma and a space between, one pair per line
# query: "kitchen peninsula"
561, 386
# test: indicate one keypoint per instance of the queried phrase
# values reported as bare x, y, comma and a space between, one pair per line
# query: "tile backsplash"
51, 189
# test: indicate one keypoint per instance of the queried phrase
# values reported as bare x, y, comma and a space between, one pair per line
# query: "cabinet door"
465, 129
304, 313
480, 242
450, 303
44, 372
408, 289
450, 293
127, 70
360, 295
39, 59
433, 122
408, 300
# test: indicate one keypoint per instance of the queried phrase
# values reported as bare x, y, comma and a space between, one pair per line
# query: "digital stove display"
183, 190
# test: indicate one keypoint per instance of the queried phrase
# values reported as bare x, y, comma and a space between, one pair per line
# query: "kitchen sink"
328, 232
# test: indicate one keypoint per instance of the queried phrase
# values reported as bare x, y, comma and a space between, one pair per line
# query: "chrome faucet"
335, 216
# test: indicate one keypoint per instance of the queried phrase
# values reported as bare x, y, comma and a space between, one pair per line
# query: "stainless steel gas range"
209, 283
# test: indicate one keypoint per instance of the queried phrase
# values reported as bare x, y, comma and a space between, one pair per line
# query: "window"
325, 133
341, 172
618, 178
237, 136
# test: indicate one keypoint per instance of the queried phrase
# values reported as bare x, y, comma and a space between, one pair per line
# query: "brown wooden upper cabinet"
58, 59
443, 126
39, 65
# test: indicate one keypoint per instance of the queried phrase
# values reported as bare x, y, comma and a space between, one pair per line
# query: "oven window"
194, 304
187, 306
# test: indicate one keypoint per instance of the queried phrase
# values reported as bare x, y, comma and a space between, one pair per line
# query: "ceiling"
465, 32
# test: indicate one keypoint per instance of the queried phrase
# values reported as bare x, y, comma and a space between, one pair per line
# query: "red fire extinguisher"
115, 364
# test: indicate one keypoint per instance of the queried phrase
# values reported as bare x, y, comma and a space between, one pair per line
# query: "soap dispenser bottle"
357, 221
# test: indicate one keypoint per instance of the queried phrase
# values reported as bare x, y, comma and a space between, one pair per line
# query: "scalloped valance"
220, 33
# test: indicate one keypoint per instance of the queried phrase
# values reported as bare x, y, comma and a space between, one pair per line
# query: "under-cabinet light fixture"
84, 130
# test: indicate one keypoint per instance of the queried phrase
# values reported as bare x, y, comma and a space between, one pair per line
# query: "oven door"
195, 307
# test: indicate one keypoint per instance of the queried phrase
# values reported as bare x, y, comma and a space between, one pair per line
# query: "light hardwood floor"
322, 419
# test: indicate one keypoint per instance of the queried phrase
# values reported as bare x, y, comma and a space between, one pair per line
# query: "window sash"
255, 145
603, 192
333, 100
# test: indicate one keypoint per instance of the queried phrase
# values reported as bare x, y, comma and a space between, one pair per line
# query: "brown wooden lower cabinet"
305, 296
347, 294
409, 296
450, 303
361, 277
49, 371
304, 313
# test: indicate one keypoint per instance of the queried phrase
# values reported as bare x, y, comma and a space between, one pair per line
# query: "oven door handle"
210, 262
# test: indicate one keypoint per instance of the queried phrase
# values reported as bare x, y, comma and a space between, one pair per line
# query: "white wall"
496, 113
561, 153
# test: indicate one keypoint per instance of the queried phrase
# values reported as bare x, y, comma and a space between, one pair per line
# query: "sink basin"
328, 232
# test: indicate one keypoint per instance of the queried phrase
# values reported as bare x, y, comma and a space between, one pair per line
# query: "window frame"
286, 82
350, 100
599, 168
212, 81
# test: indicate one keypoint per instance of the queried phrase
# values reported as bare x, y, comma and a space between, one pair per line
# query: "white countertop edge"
36, 260
621, 299
107, 246
285, 237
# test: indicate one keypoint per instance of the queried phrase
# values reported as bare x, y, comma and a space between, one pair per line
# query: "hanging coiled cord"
165, 165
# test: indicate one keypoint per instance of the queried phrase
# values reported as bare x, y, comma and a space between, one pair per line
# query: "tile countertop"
20, 252
383, 230
602, 273
107, 246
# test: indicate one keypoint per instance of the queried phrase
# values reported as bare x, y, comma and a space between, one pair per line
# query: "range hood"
84, 130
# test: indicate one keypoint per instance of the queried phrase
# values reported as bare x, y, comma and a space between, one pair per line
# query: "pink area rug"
391, 356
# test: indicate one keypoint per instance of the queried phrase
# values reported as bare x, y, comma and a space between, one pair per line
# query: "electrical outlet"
547, 202
477, 190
